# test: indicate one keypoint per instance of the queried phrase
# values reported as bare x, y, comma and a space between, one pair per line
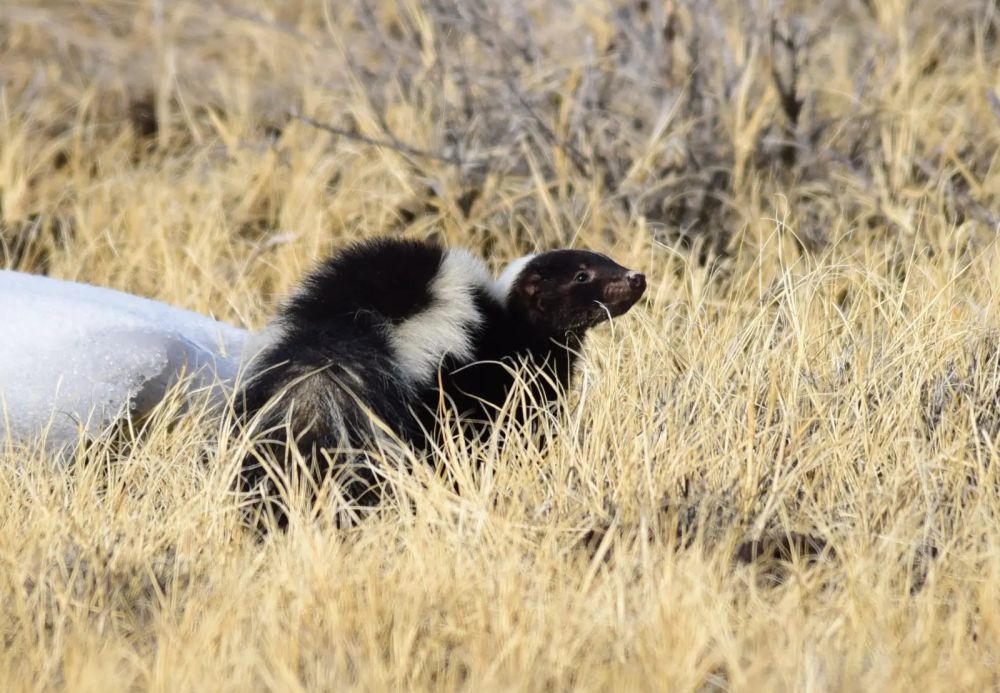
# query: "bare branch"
791, 102
392, 143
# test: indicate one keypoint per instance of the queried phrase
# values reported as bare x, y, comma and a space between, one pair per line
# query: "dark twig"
392, 143
791, 103
788, 90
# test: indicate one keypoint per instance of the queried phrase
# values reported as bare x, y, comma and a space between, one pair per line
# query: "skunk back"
352, 354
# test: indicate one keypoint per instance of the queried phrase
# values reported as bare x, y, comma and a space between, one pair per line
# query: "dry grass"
813, 190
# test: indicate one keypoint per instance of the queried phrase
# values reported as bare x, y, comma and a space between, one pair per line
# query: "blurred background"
190, 143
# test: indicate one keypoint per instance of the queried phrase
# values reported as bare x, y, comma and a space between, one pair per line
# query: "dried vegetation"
778, 472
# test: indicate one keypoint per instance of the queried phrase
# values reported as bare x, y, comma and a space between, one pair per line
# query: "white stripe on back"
446, 326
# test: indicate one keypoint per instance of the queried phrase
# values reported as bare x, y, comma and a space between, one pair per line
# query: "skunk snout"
621, 293
636, 280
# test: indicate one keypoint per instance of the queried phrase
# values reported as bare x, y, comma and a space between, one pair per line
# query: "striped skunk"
382, 335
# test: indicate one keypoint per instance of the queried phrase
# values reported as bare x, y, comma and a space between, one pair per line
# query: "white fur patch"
502, 286
445, 326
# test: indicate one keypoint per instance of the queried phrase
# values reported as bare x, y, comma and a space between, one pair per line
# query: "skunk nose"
637, 280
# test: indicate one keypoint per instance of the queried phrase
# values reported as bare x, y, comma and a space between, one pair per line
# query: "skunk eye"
582, 277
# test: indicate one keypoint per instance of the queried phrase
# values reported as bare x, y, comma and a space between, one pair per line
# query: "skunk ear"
527, 292
531, 287
531, 284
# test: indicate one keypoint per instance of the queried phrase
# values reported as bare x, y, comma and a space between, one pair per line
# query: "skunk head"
569, 291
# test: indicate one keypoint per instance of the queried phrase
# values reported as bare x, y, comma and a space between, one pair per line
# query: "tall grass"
779, 471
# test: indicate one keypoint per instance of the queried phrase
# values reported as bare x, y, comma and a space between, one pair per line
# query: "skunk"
380, 337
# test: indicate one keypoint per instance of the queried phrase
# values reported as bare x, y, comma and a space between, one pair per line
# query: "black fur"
368, 283
332, 367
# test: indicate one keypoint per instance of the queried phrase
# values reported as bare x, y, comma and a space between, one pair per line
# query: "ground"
779, 471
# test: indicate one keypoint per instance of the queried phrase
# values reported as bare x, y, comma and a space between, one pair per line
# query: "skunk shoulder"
421, 300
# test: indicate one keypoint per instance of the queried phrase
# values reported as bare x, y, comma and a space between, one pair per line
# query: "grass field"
780, 471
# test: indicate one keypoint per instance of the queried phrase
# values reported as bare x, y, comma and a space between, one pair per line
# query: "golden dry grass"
818, 352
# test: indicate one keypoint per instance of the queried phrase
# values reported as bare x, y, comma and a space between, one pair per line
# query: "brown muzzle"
621, 294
